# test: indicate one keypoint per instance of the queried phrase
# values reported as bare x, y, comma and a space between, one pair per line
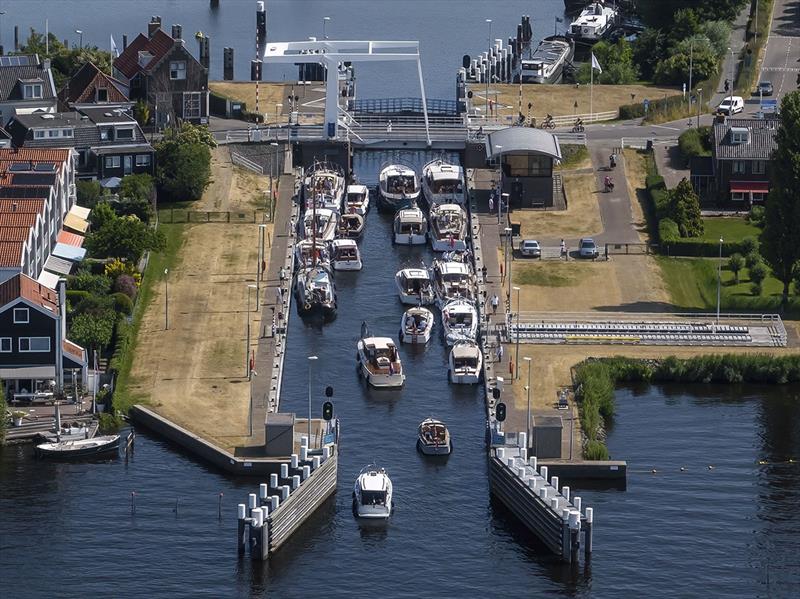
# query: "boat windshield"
373, 497
461, 363
446, 186
401, 184
463, 319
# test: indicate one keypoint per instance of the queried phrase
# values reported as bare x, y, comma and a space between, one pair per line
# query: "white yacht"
309, 253
448, 230
378, 361
443, 182
433, 438
321, 223
372, 494
416, 326
345, 255
594, 22
414, 286
399, 186
546, 63
351, 226
357, 200
410, 226
452, 280
316, 292
323, 186
459, 321
465, 363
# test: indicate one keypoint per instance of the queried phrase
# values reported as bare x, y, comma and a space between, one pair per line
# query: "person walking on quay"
499, 352
563, 248
495, 303
491, 203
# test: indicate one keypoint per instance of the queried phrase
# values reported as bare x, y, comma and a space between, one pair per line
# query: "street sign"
769, 106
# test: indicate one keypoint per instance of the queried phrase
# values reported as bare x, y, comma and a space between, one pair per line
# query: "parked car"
764, 88
529, 248
587, 248
731, 105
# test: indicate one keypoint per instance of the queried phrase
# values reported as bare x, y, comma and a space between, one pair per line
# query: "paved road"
781, 64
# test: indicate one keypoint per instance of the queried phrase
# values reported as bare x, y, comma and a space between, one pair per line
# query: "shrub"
796, 279
684, 209
126, 284
756, 288
752, 259
735, 264
756, 217
110, 422
124, 237
92, 330
749, 245
75, 296
83, 280
694, 142
117, 267
595, 450
183, 159
668, 230
122, 303
758, 272
88, 193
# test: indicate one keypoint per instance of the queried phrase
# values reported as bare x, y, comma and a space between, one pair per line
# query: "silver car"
529, 248
588, 248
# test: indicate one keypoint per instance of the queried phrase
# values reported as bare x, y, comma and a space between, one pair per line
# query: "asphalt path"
781, 64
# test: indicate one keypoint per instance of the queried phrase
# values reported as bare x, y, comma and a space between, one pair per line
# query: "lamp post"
730, 87
528, 389
516, 358
247, 347
719, 278
509, 250
691, 65
311, 360
699, 104
260, 268
273, 174
80, 33
2, 12
166, 299
324, 27
488, 66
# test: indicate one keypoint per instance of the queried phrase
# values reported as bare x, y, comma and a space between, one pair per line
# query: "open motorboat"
448, 230
323, 186
546, 64
378, 360
399, 186
452, 280
309, 253
345, 255
372, 494
410, 226
459, 321
356, 200
594, 22
316, 292
351, 226
321, 223
416, 325
433, 438
414, 286
443, 182
81, 448
465, 364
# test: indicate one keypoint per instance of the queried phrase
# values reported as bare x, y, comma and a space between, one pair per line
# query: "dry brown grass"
581, 218
559, 100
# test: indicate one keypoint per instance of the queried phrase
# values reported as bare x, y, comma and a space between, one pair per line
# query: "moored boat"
351, 226
309, 253
414, 286
378, 360
410, 226
321, 223
80, 448
323, 186
345, 255
356, 200
459, 321
433, 438
372, 493
316, 292
416, 325
465, 363
398, 186
595, 21
448, 229
452, 280
442, 182
547, 61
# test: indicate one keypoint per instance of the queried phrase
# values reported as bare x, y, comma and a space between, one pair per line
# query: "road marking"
665, 127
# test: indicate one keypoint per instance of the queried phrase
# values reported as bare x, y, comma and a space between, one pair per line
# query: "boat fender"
400, 334
307, 306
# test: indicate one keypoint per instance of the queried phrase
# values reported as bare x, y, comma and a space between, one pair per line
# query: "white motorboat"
448, 230
459, 321
81, 448
416, 326
414, 286
309, 253
372, 493
398, 186
410, 226
452, 280
345, 255
443, 182
465, 363
378, 360
323, 186
321, 223
351, 226
594, 22
316, 292
433, 438
546, 63
357, 200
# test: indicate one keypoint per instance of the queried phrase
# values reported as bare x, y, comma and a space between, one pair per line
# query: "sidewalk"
615, 206
730, 66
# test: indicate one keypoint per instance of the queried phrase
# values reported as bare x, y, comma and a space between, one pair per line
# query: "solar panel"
16, 61
19, 167
45, 167
33, 179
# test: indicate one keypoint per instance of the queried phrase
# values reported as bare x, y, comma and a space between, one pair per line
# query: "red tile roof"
56, 155
75, 351
14, 233
70, 239
10, 254
20, 206
16, 219
158, 45
81, 87
22, 286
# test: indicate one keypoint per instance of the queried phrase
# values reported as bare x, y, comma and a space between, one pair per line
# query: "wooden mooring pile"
498, 63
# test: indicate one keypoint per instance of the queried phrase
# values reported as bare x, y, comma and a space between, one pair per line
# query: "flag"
114, 49
595, 64
559, 20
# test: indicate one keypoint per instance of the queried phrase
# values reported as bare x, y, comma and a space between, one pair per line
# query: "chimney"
14, 206
46, 64
153, 26
177, 32
124, 42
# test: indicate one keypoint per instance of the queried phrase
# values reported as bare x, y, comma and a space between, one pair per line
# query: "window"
102, 94
112, 162
82, 155
5, 345
106, 135
759, 167
142, 159
39, 134
21, 316
740, 135
66, 133
32, 91
739, 167
177, 69
34, 344
527, 165
737, 196
126, 133
758, 196
191, 105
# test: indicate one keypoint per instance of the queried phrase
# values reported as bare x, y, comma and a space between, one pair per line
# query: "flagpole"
591, 91
47, 37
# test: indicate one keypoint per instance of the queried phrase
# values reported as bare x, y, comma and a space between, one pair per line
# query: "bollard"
543, 492
262, 493
554, 482
252, 502
501, 453
565, 492
587, 536
326, 453
543, 472
306, 472
274, 502
521, 472
532, 461
304, 454
510, 462
295, 482
304, 441
316, 462
273, 481
566, 554
522, 440
294, 461
284, 471
241, 511
533, 483
554, 504
576, 501
523, 454
574, 519
284, 492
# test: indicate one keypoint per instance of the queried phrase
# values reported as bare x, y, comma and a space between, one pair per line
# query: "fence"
634, 249
178, 215
240, 160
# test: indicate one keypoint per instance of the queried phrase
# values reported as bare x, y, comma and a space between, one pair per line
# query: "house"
37, 208
740, 158
26, 86
108, 143
34, 350
159, 69
91, 88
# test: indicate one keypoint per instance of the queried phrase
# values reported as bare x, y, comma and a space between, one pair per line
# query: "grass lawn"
728, 228
556, 274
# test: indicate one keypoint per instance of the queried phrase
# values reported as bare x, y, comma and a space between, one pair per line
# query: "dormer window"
740, 135
144, 58
177, 69
32, 91
125, 133
102, 94
107, 134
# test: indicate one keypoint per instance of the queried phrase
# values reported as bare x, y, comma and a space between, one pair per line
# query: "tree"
100, 215
92, 331
65, 61
88, 192
684, 209
617, 62
718, 34
735, 265
142, 112
184, 170
124, 237
753, 258
780, 240
685, 24
648, 48
675, 69
135, 192
758, 272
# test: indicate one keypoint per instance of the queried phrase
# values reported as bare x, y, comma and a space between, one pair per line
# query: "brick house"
92, 88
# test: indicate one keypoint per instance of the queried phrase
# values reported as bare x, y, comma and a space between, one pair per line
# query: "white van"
731, 105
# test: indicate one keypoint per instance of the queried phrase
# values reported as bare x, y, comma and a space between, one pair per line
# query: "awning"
58, 265
48, 279
76, 223
80, 211
110, 182
69, 252
747, 186
68, 238
28, 372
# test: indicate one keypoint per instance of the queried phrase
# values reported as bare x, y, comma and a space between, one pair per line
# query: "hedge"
699, 248
635, 111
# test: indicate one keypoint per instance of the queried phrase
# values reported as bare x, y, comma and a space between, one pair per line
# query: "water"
446, 29
733, 530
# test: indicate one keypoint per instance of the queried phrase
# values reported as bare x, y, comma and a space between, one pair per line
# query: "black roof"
12, 76
761, 141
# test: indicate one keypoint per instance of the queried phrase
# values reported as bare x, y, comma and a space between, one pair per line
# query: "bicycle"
548, 124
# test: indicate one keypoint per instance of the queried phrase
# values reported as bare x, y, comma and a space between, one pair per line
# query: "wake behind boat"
398, 186
442, 182
448, 230
433, 438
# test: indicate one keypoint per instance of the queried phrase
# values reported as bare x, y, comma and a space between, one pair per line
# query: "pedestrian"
483, 270
389, 126
491, 203
495, 303
511, 367
279, 296
727, 85
563, 248
499, 352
